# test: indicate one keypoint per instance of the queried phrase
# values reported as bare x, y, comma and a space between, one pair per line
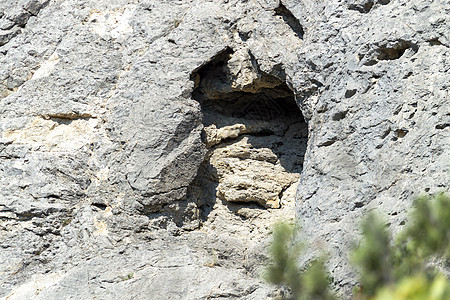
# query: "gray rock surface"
379, 119
111, 126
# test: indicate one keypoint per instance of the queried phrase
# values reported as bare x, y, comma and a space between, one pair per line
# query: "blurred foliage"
309, 284
401, 269
283, 269
429, 232
315, 282
417, 287
374, 256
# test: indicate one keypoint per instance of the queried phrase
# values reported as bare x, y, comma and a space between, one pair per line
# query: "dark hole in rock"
290, 19
401, 133
366, 6
442, 126
385, 133
395, 52
255, 134
408, 75
244, 35
326, 143
350, 93
101, 206
435, 42
362, 6
339, 115
371, 62
359, 204
391, 51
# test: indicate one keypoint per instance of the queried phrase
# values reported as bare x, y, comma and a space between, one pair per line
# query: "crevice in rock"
339, 115
13, 21
396, 51
385, 133
290, 19
244, 35
442, 126
435, 42
100, 206
67, 118
389, 51
350, 93
255, 134
400, 133
17, 19
326, 143
408, 75
365, 6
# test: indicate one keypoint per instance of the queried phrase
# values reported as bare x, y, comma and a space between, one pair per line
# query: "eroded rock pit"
255, 134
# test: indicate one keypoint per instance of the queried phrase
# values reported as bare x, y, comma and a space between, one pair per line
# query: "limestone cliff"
147, 147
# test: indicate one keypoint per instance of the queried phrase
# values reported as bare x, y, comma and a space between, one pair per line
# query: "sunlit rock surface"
147, 147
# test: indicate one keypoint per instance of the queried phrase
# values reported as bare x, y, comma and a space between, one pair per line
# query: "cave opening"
255, 134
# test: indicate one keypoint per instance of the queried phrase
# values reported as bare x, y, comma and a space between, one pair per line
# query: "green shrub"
388, 269
374, 256
401, 269
416, 287
309, 284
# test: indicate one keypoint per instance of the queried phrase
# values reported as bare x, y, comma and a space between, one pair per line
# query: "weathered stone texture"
145, 145
377, 137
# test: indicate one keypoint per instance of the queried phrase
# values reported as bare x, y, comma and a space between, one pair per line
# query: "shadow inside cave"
255, 134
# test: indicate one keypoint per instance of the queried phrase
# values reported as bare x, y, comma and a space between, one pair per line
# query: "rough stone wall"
115, 177
379, 120
254, 130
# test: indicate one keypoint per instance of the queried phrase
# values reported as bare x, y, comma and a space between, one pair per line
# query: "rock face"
147, 147
255, 132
